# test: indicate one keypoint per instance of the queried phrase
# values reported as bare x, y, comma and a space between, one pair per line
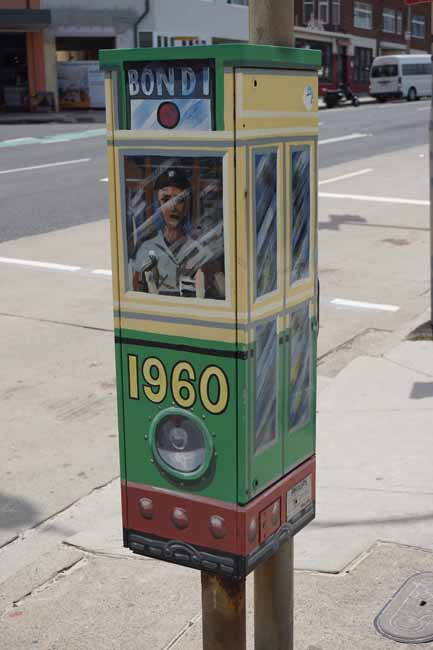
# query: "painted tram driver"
174, 262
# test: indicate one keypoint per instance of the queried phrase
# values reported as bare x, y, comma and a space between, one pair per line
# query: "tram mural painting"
175, 226
213, 168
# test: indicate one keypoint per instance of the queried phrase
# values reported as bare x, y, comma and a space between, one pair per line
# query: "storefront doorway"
14, 86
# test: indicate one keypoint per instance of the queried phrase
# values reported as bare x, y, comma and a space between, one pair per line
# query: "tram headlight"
181, 444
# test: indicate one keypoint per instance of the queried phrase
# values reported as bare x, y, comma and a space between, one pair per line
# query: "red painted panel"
208, 522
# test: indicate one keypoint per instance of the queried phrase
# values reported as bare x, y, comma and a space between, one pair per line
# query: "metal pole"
224, 619
272, 23
273, 601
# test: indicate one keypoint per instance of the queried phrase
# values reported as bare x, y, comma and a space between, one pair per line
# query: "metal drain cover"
408, 617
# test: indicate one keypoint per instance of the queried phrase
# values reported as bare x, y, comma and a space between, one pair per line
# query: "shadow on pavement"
16, 512
421, 390
336, 220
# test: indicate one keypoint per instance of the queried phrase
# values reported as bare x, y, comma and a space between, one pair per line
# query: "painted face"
173, 202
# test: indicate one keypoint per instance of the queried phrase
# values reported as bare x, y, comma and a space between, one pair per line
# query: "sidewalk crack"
56, 322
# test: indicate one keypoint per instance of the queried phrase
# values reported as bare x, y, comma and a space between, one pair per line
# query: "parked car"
401, 75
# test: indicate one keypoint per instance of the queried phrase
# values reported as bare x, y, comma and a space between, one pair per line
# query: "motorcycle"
340, 96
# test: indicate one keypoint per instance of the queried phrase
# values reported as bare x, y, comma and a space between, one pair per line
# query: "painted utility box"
212, 155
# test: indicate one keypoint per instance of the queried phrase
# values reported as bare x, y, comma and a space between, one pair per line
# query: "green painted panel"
228, 54
160, 378
233, 55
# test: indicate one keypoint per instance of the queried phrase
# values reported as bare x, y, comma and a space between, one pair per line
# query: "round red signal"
168, 115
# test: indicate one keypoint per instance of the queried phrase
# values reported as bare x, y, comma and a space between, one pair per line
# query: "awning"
24, 20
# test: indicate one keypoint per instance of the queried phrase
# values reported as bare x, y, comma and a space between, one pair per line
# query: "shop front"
22, 71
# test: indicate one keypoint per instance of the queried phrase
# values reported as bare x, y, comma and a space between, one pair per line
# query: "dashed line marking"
345, 176
344, 138
54, 266
56, 164
374, 199
340, 302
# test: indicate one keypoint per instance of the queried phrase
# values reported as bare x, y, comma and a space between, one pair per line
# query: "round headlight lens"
180, 443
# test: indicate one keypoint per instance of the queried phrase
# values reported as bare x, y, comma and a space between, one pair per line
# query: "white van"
402, 75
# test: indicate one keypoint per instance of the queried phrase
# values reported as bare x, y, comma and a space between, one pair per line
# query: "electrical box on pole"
212, 154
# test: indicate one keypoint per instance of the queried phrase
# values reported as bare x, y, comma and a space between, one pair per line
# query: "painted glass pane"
301, 215
265, 192
300, 367
266, 384
174, 226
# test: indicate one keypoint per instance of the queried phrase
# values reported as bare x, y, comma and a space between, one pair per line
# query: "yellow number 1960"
182, 384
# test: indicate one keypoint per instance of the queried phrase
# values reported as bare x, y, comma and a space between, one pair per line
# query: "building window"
388, 17
399, 22
362, 64
336, 12
243, 3
363, 15
325, 72
418, 26
324, 11
308, 11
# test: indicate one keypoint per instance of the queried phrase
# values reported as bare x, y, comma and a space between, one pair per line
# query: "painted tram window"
266, 384
174, 226
265, 213
301, 215
300, 366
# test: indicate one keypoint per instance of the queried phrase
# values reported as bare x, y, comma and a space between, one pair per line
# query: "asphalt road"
43, 199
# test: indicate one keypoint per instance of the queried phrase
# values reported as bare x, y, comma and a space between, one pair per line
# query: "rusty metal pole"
273, 601
272, 23
224, 618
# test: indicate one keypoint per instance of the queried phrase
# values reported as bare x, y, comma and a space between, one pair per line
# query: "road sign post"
212, 156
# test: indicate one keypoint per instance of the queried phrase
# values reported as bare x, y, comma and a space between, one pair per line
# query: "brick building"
350, 33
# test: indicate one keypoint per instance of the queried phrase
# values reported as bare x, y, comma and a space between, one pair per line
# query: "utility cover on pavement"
408, 617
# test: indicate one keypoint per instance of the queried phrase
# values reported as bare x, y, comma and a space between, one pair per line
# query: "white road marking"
102, 272
343, 138
425, 108
54, 266
363, 305
374, 199
44, 265
343, 178
103, 180
56, 164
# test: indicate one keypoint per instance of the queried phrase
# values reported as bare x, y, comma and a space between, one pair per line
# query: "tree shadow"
336, 220
16, 512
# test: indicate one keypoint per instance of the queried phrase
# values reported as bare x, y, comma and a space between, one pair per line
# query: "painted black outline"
183, 348
166, 103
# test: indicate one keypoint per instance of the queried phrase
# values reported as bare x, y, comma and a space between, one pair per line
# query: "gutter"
140, 18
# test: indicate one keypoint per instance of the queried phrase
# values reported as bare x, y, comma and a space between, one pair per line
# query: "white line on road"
56, 164
44, 265
363, 305
102, 272
425, 108
103, 180
343, 178
376, 199
343, 138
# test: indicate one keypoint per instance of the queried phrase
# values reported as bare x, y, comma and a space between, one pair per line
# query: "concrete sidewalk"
68, 584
